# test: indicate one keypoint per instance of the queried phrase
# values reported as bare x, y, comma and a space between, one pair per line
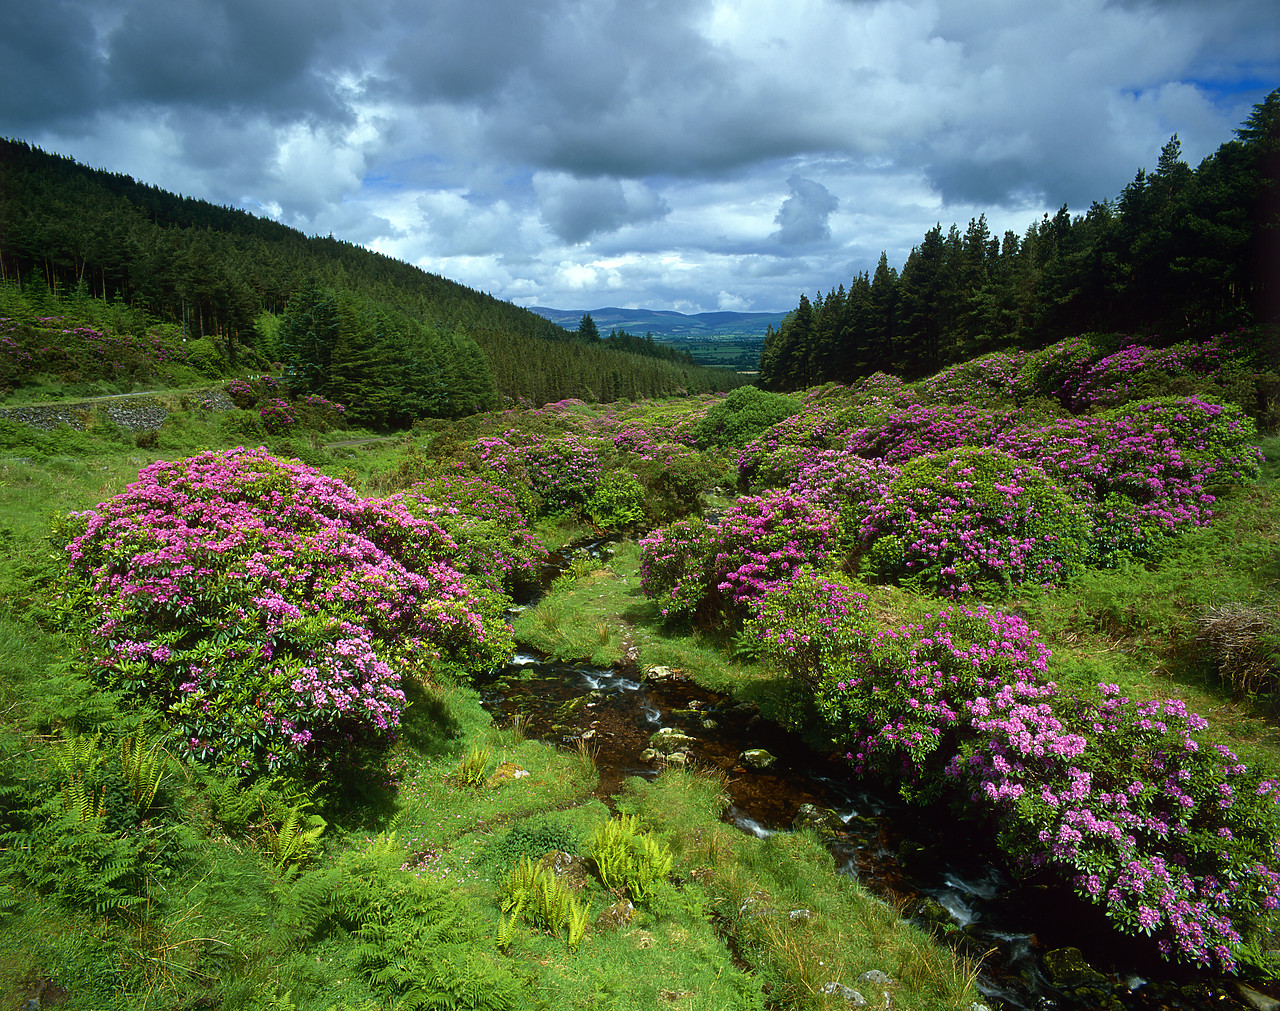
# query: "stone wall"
132, 412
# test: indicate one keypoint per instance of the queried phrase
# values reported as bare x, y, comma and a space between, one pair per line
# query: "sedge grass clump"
1243, 642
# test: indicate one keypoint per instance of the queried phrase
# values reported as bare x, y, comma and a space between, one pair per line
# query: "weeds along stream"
927, 862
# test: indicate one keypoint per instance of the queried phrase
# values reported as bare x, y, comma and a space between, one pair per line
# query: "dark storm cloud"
578, 209
804, 217
227, 54
48, 67
639, 142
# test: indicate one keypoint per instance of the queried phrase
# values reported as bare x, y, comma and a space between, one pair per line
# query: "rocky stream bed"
1041, 949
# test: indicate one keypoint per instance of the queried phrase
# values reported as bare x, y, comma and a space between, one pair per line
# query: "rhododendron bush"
1165, 830
486, 520
270, 612
958, 520
718, 568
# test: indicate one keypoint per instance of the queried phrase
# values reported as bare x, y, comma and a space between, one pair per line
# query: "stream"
924, 861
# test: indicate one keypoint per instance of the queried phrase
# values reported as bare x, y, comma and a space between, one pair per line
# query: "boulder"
568, 868
820, 819
756, 758
850, 995
617, 915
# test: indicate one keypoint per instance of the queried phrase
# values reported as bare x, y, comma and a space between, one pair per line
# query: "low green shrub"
742, 415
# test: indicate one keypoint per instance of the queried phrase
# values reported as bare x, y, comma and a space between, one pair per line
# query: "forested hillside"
227, 277
1180, 253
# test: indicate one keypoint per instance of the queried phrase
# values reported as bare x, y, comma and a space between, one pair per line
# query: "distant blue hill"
665, 323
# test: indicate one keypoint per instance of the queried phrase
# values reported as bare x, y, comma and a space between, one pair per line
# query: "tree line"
230, 276
1181, 252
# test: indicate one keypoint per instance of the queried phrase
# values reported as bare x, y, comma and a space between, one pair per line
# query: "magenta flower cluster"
278, 416
1168, 832
270, 611
717, 568
486, 519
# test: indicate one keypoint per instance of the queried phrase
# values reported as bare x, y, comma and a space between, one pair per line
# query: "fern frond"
143, 769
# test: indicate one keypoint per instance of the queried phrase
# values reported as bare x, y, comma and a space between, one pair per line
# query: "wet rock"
1070, 973
710, 725
669, 739
756, 758
660, 674
678, 759
820, 819
931, 913
850, 995
1066, 968
617, 915
1253, 999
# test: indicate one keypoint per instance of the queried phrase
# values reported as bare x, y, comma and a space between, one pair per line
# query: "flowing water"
923, 860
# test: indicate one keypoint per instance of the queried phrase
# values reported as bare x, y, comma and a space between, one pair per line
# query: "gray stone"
756, 758
874, 977
660, 674
617, 915
851, 996
800, 916
1257, 1001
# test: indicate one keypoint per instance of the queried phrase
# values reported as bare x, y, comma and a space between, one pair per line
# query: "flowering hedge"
969, 517
486, 520
52, 346
278, 416
761, 540
269, 611
1165, 830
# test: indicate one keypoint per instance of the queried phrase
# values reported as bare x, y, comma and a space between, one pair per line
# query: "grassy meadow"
417, 884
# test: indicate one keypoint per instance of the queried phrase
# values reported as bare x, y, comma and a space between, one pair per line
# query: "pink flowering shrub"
693, 567
1169, 833
319, 413
835, 478
1162, 457
969, 518
486, 520
278, 416
241, 393
999, 377
1137, 372
269, 612
1172, 834
918, 430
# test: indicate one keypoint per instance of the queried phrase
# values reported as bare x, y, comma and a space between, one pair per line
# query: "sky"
694, 155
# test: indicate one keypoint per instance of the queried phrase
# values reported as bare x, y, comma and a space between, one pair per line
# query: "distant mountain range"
666, 323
